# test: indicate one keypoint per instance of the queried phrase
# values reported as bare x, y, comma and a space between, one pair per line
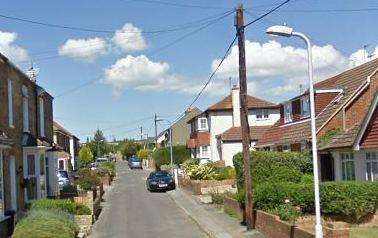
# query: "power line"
209, 79
77, 87
330, 10
267, 13
179, 4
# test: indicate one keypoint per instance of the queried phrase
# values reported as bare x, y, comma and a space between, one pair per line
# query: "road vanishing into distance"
130, 211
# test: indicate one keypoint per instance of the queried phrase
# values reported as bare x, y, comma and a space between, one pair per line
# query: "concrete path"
130, 211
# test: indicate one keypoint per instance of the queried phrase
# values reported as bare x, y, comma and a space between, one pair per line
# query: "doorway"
327, 167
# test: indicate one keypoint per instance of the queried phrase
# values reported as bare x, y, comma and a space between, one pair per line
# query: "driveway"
131, 211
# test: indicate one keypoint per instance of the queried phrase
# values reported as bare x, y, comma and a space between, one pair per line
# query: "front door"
327, 168
30, 178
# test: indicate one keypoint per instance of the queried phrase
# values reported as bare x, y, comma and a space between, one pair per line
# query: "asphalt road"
130, 211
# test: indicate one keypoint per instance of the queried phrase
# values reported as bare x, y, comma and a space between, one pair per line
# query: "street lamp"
288, 32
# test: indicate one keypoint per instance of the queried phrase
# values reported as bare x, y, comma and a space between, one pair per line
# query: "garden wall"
233, 208
208, 186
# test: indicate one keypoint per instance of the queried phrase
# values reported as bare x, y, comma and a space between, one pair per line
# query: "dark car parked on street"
160, 181
135, 163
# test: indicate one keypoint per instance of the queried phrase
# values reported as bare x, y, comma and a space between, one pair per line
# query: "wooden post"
244, 119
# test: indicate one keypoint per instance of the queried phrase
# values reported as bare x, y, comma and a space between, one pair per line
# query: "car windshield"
63, 174
160, 174
134, 159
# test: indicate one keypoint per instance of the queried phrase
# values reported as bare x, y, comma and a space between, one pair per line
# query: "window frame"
41, 117
306, 99
200, 123
262, 114
25, 109
369, 165
10, 104
203, 154
347, 159
288, 112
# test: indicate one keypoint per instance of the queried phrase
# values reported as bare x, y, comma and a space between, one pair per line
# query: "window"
285, 148
287, 112
205, 151
31, 187
347, 166
25, 108
1, 186
10, 103
41, 118
305, 106
262, 114
372, 166
203, 123
42, 165
61, 164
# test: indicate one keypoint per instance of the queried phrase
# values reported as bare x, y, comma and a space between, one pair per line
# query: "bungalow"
345, 122
216, 133
25, 136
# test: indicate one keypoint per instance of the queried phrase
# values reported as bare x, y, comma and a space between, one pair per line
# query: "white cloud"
362, 56
9, 49
142, 74
129, 38
84, 49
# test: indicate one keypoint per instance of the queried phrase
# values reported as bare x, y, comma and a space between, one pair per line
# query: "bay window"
348, 166
372, 166
205, 151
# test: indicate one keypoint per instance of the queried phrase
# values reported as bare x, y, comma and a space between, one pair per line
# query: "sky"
140, 57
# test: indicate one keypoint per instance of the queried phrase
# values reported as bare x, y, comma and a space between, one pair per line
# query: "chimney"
235, 95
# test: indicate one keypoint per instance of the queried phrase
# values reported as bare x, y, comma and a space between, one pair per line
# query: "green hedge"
46, 223
88, 179
270, 166
353, 200
162, 156
64, 205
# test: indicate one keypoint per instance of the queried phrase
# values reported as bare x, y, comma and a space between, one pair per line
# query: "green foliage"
98, 145
63, 205
217, 198
107, 168
327, 137
85, 156
88, 179
46, 223
207, 171
287, 212
274, 167
128, 148
144, 153
162, 155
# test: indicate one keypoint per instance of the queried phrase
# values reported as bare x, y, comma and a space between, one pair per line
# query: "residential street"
131, 211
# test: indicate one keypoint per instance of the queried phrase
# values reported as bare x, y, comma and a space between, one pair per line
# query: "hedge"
63, 205
353, 200
88, 179
46, 223
162, 156
271, 166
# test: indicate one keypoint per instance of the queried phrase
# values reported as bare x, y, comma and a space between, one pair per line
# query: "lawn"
364, 232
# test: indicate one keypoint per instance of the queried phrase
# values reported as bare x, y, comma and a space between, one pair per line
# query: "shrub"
85, 156
46, 223
274, 166
107, 168
162, 155
287, 212
62, 205
225, 173
88, 179
144, 153
217, 198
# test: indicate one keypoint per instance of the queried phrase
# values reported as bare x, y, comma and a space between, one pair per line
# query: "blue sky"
141, 83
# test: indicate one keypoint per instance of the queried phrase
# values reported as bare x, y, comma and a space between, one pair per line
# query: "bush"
225, 173
217, 198
144, 153
85, 156
287, 212
207, 171
107, 168
63, 205
46, 223
162, 155
88, 179
270, 166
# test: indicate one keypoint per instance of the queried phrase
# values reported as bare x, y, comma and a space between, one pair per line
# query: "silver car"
135, 163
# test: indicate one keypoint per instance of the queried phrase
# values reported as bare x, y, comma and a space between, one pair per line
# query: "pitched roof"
58, 127
349, 81
252, 102
234, 133
344, 139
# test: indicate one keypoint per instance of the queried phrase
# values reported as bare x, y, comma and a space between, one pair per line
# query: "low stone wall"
208, 186
233, 208
91, 200
84, 222
271, 226
106, 180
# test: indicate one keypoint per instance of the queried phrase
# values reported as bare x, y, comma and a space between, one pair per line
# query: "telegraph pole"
244, 119
141, 133
155, 121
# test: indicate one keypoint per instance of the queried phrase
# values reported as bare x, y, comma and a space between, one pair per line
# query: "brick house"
345, 121
215, 133
26, 133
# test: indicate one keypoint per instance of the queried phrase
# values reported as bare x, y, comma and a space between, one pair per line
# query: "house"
66, 148
26, 134
180, 129
345, 125
216, 133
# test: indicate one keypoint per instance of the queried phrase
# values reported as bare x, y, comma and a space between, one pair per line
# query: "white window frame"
205, 154
305, 103
371, 162
200, 123
25, 109
288, 115
1, 185
262, 114
10, 103
41, 117
347, 158
286, 148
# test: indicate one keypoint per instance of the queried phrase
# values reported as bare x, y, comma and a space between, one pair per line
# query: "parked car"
101, 160
135, 163
160, 181
63, 179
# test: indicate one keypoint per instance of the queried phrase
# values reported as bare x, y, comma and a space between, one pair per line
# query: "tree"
129, 148
98, 145
162, 156
85, 156
144, 153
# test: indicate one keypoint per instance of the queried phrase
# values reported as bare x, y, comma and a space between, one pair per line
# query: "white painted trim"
13, 181
329, 91
10, 103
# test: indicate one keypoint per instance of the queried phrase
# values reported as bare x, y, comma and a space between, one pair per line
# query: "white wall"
219, 122
274, 116
229, 150
72, 153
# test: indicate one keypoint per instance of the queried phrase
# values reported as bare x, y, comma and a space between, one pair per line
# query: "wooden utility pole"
244, 119
155, 121
141, 134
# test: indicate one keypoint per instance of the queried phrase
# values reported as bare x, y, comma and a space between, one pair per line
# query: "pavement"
211, 219
130, 211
